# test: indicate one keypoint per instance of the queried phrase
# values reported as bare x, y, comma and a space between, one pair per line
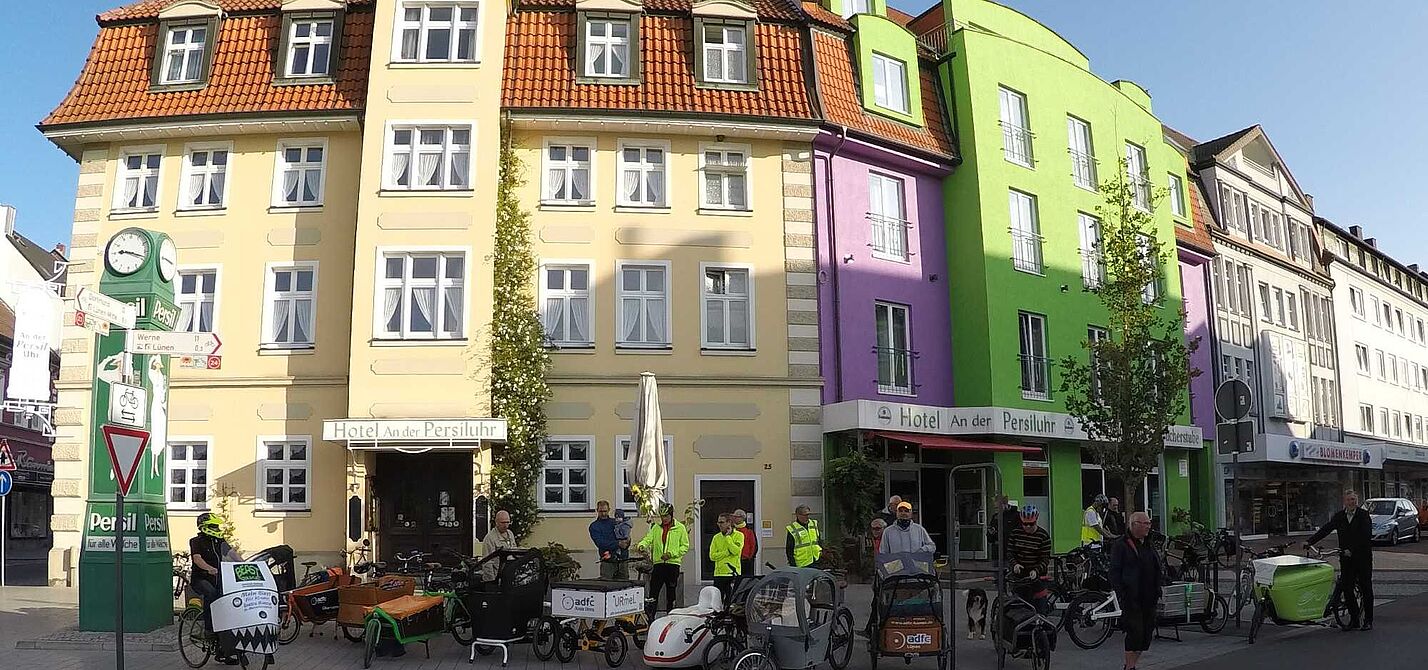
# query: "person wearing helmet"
1029, 551
1093, 525
206, 551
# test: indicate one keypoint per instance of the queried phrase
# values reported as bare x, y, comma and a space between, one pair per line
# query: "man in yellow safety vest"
801, 546
1093, 520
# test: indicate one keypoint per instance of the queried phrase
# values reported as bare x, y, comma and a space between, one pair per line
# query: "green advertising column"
139, 268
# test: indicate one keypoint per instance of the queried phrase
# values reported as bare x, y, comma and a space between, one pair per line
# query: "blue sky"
1338, 91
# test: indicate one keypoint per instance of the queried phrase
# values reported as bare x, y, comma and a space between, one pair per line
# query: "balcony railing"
1016, 144
1035, 377
1083, 170
895, 370
937, 40
888, 236
1026, 251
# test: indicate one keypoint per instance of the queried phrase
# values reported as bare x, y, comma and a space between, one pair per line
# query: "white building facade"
1382, 316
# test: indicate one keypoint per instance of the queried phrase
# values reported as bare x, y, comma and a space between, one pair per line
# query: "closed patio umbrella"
646, 466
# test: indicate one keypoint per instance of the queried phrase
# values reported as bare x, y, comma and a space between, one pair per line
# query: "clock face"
127, 252
168, 260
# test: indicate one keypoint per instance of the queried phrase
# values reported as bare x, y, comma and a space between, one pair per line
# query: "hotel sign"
875, 415
413, 430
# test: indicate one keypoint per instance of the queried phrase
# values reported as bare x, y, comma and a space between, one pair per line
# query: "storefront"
1290, 486
1040, 457
1405, 473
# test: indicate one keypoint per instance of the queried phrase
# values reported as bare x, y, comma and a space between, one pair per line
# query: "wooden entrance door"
424, 503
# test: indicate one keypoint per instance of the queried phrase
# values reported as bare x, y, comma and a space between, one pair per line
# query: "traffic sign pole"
118, 580
5, 483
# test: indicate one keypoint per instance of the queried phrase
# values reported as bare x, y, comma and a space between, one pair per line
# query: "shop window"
29, 513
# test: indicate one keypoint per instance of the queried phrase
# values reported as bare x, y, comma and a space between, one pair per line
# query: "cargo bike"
796, 620
909, 611
603, 616
1292, 589
441, 608
507, 610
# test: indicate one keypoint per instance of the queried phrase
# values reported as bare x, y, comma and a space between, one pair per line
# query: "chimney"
7, 215
1372, 242
1357, 231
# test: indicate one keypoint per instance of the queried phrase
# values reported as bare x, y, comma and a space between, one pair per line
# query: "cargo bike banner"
245, 617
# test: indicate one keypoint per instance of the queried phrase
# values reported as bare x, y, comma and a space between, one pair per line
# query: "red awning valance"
945, 442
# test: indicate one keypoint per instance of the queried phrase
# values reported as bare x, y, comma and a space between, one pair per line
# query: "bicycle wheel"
1340, 609
721, 652
543, 638
753, 660
1244, 592
1040, 650
288, 627
616, 647
351, 636
193, 641
840, 644
565, 643
1256, 619
1217, 616
372, 633
458, 621
1086, 632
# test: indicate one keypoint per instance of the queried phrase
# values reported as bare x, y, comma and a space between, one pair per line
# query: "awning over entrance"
943, 442
414, 435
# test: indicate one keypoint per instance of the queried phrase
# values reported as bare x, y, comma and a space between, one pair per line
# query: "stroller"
908, 617
797, 619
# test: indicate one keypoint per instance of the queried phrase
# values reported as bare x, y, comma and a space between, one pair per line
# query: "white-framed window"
566, 307
1374, 311
1096, 334
626, 499
1361, 356
1366, 418
184, 49
1418, 429
204, 176
565, 473
642, 304
728, 315
1382, 366
1093, 266
1083, 154
1383, 427
1139, 174
887, 217
423, 295
433, 157
607, 47
197, 296
1025, 232
136, 183
890, 83
300, 174
569, 171
1016, 128
1356, 301
1397, 423
437, 32
851, 7
290, 306
726, 53
643, 167
1177, 195
1035, 364
726, 176
894, 348
284, 473
309, 47
188, 473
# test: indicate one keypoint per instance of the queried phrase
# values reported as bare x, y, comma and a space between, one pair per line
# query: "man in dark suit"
1136, 576
1356, 562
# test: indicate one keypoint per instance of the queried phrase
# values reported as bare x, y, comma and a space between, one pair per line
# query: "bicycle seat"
309, 564
434, 566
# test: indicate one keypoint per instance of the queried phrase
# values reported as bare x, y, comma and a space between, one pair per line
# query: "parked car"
1394, 519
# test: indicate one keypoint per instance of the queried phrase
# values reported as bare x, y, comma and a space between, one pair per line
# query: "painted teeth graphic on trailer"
246, 616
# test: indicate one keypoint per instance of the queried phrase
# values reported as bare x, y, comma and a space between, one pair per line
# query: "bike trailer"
1183, 602
1299, 587
413, 616
320, 602
353, 600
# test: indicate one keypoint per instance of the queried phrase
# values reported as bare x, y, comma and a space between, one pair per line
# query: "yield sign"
126, 447
7, 460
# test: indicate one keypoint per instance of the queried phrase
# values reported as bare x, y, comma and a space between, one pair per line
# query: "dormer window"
851, 7
309, 46
726, 56
437, 32
607, 47
185, 48
890, 83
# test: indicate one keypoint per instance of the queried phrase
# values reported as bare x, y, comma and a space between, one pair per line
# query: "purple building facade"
1195, 253
882, 272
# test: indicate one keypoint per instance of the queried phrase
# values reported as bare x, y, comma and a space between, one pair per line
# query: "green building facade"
1038, 131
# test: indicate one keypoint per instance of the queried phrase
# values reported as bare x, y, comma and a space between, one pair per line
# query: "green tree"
1132, 386
519, 361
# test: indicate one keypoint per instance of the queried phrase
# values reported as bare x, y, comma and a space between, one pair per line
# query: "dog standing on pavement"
976, 614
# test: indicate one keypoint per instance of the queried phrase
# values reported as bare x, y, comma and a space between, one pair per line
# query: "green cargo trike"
1297, 590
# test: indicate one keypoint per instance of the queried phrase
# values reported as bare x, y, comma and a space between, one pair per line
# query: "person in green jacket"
666, 545
725, 550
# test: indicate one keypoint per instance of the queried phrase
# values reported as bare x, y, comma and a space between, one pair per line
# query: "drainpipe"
834, 261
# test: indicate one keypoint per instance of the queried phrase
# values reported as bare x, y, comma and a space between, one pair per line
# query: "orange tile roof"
149, 9
114, 84
539, 71
1197, 236
838, 92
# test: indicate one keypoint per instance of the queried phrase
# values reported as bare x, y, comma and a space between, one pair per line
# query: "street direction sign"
96, 305
5, 483
128, 405
7, 459
126, 448
176, 344
90, 322
1233, 400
